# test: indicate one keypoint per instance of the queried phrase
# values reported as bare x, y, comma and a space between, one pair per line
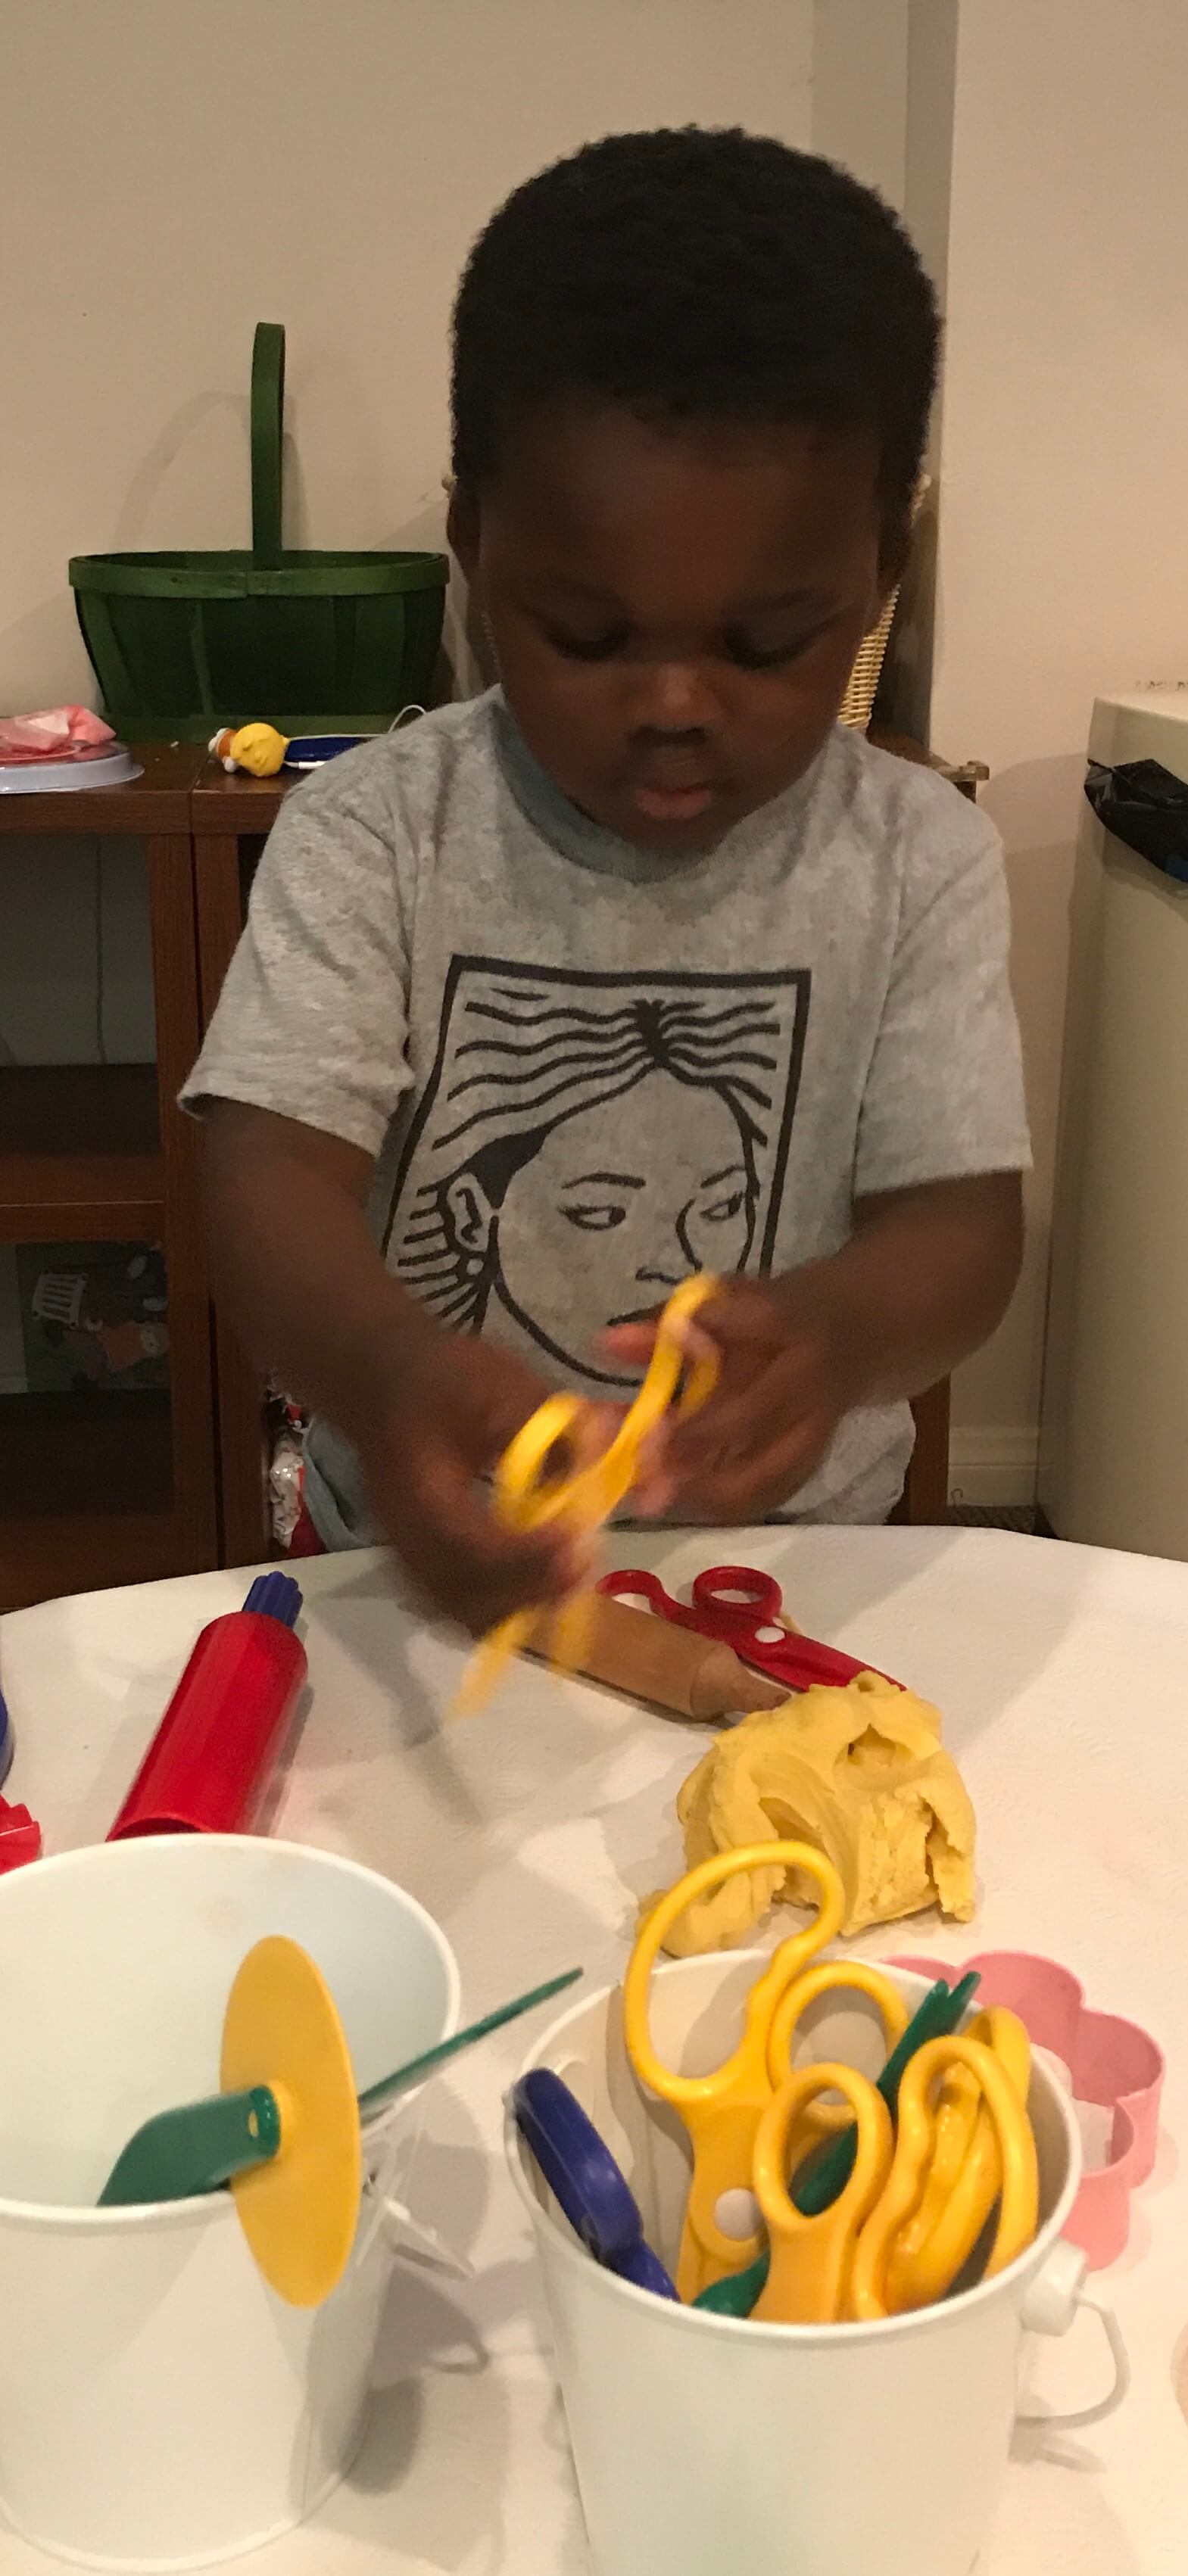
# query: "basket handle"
268, 417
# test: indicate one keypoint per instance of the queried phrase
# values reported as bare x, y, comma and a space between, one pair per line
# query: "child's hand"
459, 1408
787, 1377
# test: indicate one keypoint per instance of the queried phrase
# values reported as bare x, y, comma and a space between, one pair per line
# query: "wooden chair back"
924, 1502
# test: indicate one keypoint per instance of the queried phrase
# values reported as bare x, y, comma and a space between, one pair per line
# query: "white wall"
167, 182
928, 142
1063, 564
860, 82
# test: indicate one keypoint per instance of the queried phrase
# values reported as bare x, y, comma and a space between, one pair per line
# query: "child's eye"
767, 657
596, 1218
721, 1210
587, 648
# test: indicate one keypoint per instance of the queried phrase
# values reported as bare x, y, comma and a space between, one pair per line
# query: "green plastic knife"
202, 2145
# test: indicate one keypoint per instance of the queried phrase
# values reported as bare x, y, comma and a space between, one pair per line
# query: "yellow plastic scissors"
527, 1497
722, 2111
848, 2263
965, 2170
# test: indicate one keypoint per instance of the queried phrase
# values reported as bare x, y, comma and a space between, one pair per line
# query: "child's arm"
427, 1412
936, 1237
924, 1278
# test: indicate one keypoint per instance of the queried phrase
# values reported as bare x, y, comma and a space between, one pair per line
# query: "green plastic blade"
736, 2295
418, 2067
195, 2148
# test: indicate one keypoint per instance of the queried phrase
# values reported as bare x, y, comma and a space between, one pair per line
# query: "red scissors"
741, 1608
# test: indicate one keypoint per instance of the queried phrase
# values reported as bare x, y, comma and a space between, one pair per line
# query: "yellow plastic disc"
299, 2213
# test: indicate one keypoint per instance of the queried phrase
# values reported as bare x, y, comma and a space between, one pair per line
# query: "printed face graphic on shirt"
587, 1141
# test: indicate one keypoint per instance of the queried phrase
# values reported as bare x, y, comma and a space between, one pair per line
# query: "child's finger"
730, 1426
635, 1343
596, 1430
631, 1344
654, 1485
472, 1563
763, 1396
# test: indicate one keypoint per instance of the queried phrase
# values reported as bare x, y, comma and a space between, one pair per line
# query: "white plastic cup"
160, 2407
710, 2444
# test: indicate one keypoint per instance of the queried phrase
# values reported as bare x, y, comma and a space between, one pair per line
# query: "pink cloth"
56, 733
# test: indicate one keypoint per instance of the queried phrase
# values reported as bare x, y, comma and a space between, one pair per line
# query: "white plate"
108, 765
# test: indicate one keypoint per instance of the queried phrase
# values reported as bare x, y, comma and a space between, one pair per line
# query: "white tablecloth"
530, 1831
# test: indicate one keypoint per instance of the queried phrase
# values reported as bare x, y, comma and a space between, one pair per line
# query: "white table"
530, 1831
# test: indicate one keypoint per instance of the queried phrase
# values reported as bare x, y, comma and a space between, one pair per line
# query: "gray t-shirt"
586, 1072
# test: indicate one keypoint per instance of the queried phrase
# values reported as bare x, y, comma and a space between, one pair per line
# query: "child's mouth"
672, 804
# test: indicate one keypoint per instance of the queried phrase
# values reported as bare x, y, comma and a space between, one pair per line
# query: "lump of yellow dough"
862, 1774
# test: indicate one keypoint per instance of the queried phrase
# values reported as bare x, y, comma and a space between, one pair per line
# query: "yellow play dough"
859, 1772
258, 748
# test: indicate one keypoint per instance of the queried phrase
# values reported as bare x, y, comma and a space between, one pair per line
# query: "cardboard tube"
671, 1668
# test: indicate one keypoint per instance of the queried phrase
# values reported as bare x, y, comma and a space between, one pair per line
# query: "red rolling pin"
218, 1744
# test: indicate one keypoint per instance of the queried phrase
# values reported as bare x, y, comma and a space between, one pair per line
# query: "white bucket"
709, 2444
160, 2408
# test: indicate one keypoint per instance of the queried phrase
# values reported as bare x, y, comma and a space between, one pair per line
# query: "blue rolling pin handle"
5, 1741
275, 1596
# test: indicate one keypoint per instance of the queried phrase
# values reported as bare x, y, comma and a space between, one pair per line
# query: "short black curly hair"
698, 275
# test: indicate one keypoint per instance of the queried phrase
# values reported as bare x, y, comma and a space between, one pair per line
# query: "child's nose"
674, 702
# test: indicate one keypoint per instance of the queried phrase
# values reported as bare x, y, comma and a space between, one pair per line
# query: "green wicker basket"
313, 643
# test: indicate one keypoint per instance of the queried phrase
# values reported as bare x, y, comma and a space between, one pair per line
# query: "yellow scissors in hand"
848, 2263
722, 2111
528, 1498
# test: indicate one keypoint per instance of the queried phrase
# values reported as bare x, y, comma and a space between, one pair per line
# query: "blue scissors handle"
585, 2180
645, 2269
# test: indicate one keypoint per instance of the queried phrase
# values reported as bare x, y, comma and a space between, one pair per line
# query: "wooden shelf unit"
80, 1154
109, 1451
114, 1488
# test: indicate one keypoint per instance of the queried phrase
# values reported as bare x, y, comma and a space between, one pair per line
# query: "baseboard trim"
996, 1468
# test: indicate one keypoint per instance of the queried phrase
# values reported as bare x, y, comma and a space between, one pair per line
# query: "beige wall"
860, 74
1063, 559
169, 176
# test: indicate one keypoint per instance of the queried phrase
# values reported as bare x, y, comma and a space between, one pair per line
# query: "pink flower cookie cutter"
1111, 2062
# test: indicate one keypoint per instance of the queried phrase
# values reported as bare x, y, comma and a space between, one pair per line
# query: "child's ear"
462, 530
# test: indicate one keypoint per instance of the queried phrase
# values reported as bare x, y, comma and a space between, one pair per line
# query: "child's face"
675, 611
